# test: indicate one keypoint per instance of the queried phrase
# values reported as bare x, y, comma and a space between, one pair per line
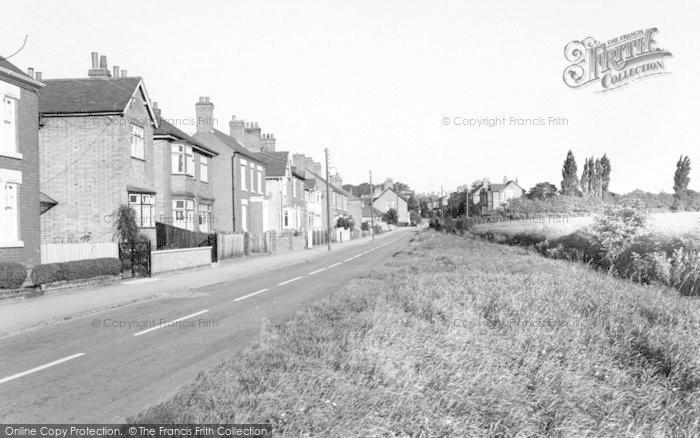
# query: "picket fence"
65, 252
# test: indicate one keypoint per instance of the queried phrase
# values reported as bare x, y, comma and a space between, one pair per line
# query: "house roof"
235, 145
166, 129
391, 190
11, 71
335, 188
89, 95
276, 163
310, 183
367, 211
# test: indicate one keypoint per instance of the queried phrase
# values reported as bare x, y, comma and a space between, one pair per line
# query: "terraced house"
96, 143
19, 165
285, 189
182, 178
239, 175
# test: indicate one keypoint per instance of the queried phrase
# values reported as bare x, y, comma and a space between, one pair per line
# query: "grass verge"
459, 337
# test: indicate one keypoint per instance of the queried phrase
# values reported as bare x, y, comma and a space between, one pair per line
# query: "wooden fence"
230, 245
65, 252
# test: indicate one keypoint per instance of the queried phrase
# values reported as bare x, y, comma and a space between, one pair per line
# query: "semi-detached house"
238, 174
19, 166
96, 144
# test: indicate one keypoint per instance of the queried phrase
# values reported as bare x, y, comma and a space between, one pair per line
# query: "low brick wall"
288, 242
174, 259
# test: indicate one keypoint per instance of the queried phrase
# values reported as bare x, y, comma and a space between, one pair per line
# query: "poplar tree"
569, 183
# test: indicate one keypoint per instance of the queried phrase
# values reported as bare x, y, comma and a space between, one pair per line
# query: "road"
99, 369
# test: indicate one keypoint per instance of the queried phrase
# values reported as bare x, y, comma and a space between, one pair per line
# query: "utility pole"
371, 201
328, 201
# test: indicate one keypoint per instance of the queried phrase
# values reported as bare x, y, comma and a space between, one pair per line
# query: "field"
556, 227
460, 337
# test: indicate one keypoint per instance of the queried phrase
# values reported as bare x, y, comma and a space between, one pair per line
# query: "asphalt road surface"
106, 367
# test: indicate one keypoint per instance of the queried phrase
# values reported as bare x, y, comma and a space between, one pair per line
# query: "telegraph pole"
328, 201
371, 201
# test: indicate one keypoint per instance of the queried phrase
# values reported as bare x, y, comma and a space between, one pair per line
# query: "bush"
12, 275
75, 270
364, 226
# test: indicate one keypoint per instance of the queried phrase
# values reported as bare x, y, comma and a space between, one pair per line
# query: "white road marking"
347, 260
250, 295
288, 281
171, 322
142, 280
43, 367
334, 264
317, 271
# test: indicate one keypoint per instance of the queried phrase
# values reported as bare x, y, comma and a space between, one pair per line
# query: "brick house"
96, 147
311, 170
241, 203
285, 190
388, 198
19, 165
182, 179
313, 199
487, 197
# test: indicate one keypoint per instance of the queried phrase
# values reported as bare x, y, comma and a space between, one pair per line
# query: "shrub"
364, 226
75, 270
616, 229
12, 275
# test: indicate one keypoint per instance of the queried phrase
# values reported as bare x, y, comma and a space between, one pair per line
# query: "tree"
415, 218
605, 164
424, 210
681, 179
412, 203
542, 191
391, 217
569, 183
345, 222
586, 180
125, 227
597, 179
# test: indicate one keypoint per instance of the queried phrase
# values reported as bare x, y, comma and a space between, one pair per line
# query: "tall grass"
456, 337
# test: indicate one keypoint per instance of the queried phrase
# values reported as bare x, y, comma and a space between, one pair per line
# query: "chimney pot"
206, 99
37, 76
123, 74
94, 59
103, 62
115, 71
30, 72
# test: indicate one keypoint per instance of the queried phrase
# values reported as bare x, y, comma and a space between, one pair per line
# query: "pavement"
20, 315
142, 342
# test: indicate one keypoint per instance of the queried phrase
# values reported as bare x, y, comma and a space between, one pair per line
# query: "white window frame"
144, 204
10, 182
8, 125
260, 180
251, 171
138, 142
203, 169
183, 213
244, 176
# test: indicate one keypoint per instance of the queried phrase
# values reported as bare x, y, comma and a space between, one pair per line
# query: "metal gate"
136, 259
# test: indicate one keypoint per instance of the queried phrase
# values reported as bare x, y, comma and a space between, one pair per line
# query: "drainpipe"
233, 189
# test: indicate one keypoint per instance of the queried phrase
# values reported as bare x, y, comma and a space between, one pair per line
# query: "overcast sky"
372, 80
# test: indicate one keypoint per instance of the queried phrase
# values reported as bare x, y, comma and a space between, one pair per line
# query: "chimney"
156, 110
486, 182
123, 75
37, 76
317, 169
30, 72
237, 129
205, 114
268, 143
505, 179
115, 71
253, 138
299, 161
99, 72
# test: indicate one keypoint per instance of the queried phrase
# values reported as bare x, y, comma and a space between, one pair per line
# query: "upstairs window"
182, 160
203, 168
260, 187
137, 142
244, 166
252, 179
8, 129
9, 214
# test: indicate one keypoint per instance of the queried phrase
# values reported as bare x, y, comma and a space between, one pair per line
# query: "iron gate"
135, 258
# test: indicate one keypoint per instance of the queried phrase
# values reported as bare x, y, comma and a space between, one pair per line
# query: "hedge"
12, 275
75, 270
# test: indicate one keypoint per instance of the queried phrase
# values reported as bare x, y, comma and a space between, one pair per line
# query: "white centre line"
171, 322
334, 264
250, 295
288, 281
43, 367
317, 271
347, 260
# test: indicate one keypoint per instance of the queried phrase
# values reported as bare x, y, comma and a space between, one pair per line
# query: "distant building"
487, 197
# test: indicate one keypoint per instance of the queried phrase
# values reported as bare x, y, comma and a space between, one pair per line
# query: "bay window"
183, 213
204, 211
144, 205
182, 160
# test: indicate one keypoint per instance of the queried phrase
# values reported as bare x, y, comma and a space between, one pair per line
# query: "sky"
374, 81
